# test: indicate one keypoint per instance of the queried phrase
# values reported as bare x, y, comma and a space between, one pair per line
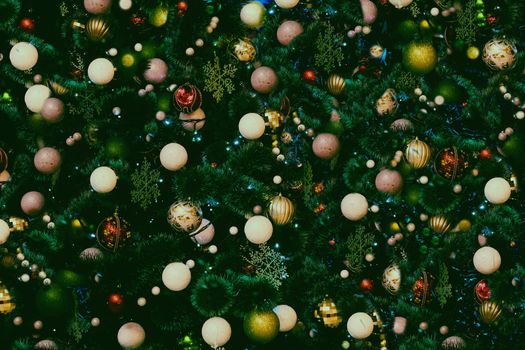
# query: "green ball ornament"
159, 16
261, 326
68, 278
335, 127
412, 194
164, 102
37, 122
514, 148
419, 57
149, 50
406, 30
452, 92
116, 147
54, 302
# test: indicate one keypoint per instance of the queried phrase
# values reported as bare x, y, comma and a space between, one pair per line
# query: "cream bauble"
286, 4
131, 335
354, 206
4, 231
101, 71
398, 4
36, 96
252, 14
287, 317
173, 156
216, 332
360, 325
487, 260
103, 179
176, 276
258, 229
23, 56
497, 190
251, 126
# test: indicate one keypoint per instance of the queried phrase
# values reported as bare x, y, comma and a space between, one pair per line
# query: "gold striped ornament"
57, 88
6, 303
281, 210
417, 153
439, 224
97, 28
335, 84
489, 311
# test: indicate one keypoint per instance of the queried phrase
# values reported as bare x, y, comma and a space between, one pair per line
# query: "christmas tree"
314, 174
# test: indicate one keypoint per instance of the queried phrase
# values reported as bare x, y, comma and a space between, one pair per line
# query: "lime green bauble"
335, 127
412, 194
514, 149
419, 57
261, 326
164, 102
450, 90
149, 49
37, 122
116, 147
54, 302
406, 30
68, 278
159, 16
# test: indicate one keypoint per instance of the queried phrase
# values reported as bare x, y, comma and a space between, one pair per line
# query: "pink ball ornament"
264, 80
389, 181
401, 125
400, 324
97, 6
287, 31
32, 202
52, 110
156, 72
205, 234
326, 146
369, 11
47, 160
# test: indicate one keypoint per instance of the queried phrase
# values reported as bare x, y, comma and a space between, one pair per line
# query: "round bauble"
451, 163
5, 177
499, 54
252, 126
487, 260
244, 50
116, 147
159, 16
47, 160
97, 28
489, 312
335, 84
3, 160
287, 31
389, 181
32, 203
328, 313
176, 276
258, 229
187, 98
216, 332
184, 216
101, 71
287, 317
419, 57
326, 146
417, 153
450, 90
193, 121
482, 291
7, 304
103, 179
91, 255
439, 223
113, 232
56, 302
387, 104
264, 80
97, 6
4, 231
369, 11
252, 14
23, 55
156, 72
173, 156
497, 190
131, 335
204, 234
402, 124
261, 326
398, 4
360, 325
36, 96
52, 110
286, 4
354, 206
46, 344
281, 210
392, 279
453, 343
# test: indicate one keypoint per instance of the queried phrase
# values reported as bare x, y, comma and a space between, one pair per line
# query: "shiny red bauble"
27, 24
187, 98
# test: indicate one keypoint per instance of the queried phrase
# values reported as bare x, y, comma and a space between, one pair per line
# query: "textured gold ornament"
97, 28
17, 224
328, 313
387, 103
185, 216
57, 88
335, 84
392, 279
439, 224
244, 50
261, 326
281, 210
6, 303
499, 54
489, 311
417, 153
513, 181
274, 118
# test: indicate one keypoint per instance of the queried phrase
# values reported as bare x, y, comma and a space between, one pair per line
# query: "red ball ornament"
366, 285
113, 232
482, 291
182, 6
451, 163
187, 98
331, 242
310, 76
485, 154
115, 302
421, 288
138, 20
27, 24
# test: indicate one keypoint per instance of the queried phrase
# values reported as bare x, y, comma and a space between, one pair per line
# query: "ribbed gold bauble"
328, 313
6, 305
417, 153
387, 103
97, 28
261, 326
281, 210
335, 84
489, 311
244, 50
57, 88
17, 224
439, 224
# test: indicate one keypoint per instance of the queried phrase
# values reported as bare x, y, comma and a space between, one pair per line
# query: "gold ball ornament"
387, 104
489, 312
328, 313
392, 279
159, 16
184, 216
419, 57
274, 118
97, 28
6, 303
261, 326
499, 54
398, 4
417, 153
473, 53
244, 50
57, 88
281, 210
439, 224
360, 325
252, 14
17, 224
335, 84
113, 232
487, 260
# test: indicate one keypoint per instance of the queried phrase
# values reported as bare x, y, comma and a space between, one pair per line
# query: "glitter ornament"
6, 303
328, 313
244, 50
499, 54
451, 163
421, 289
184, 216
187, 98
113, 232
261, 326
482, 291
419, 57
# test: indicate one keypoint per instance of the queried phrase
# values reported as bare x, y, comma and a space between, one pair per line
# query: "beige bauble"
487, 260
252, 14
216, 332
258, 229
360, 325
497, 190
23, 55
287, 317
354, 206
398, 4
176, 276
286, 4
251, 126
131, 335
101, 71
173, 156
4, 231
103, 179
36, 96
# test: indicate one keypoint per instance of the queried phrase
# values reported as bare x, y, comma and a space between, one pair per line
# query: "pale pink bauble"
369, 11
401, 125
193, 121
400, 324
482, 240
52, 110
156, 72
97, 6
47, 160
389, 181
326, 145
32, 202
264, 80
206, 235
287, 31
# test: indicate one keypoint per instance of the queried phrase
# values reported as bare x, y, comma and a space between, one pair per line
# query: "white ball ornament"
173, 156
101, 71
286, 4
258, 229
354, 206
252, 14
176, 276
131, 335
497, 190
287, 317
23, 55
251, 126
487, 260
216, 332
360, 325
36, 96
4, 231
398, 4
103, 179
